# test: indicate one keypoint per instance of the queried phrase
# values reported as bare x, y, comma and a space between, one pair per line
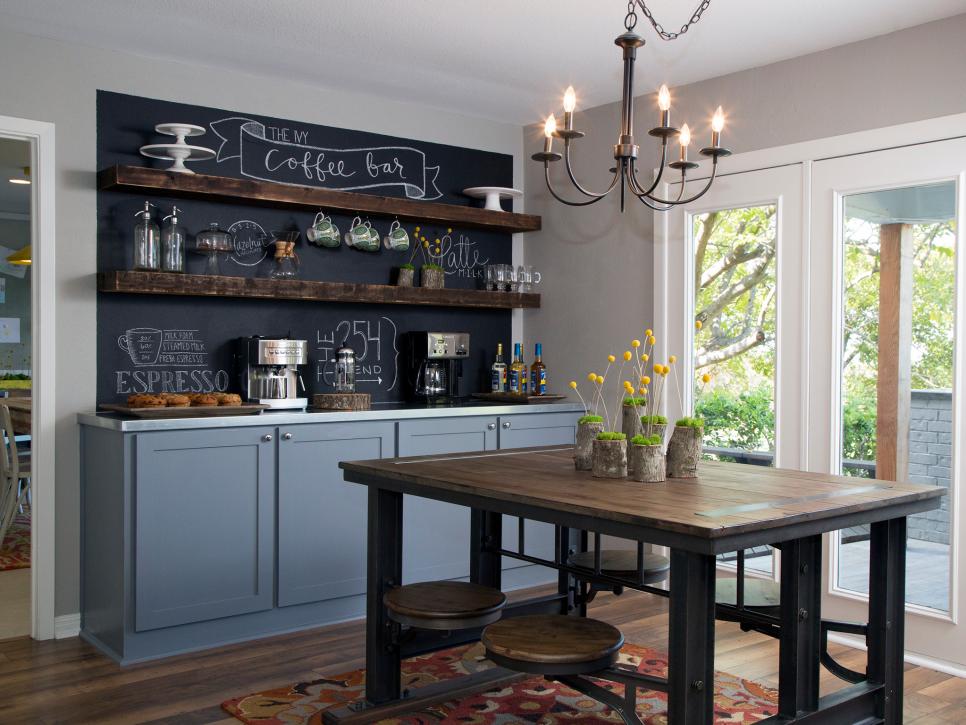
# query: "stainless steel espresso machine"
434, 365
268, 371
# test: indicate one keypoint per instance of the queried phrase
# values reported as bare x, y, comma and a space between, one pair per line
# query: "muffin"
175, 400
145, 400
199, 399
228, 399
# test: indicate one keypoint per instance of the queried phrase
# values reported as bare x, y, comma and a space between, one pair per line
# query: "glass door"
885, 370
735, 323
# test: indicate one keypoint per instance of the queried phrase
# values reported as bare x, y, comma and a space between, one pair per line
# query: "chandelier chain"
662, 33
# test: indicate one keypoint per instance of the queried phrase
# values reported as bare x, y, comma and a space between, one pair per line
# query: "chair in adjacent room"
14, 475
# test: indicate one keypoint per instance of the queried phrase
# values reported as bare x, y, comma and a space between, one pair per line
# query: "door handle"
287, 436
491, 426
267, 437
506, 424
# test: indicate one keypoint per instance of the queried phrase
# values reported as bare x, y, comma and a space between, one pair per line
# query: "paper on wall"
14, 270
9, 329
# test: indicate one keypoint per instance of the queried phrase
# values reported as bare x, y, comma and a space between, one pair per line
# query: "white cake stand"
493, 194
179, 151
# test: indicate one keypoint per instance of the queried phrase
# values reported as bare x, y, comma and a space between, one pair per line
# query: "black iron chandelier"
626, 150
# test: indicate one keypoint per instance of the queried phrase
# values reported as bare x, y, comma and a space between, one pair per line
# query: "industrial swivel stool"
620, 563
444, 605
567, 649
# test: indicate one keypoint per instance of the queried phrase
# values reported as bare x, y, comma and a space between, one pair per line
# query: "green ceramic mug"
323, 232
359, 234
397, 239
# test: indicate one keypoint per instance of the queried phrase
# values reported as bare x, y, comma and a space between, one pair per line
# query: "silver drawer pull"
287, 436
507, 424
267, 437
491, 426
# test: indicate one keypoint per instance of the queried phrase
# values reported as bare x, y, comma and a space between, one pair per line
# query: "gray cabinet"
525, 431
436, 534
204, 525
322, 519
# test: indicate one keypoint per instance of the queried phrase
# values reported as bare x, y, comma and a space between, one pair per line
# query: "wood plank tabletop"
727, 499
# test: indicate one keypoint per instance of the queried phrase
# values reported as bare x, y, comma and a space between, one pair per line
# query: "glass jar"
147, 241
173, 238
214, 242
345, 370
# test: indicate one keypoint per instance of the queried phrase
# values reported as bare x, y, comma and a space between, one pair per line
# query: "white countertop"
392, 411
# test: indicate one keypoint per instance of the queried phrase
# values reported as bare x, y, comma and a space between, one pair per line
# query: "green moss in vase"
611, 436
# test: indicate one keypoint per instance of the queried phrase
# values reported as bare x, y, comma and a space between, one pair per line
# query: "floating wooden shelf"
199, 285
142, 180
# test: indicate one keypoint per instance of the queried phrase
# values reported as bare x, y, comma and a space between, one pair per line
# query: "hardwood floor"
67, 681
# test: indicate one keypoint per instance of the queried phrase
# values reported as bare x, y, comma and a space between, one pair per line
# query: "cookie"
175, 400
229, 399
199, 399
145, 400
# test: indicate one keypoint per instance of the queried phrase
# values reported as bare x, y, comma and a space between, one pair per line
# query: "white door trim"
43, 299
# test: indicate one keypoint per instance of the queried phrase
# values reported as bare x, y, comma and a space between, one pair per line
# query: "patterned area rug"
533, 700
15, 550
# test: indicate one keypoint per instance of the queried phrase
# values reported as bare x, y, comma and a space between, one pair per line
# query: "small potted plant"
588, 426
687, 440
645, 459
432, 274
654, 425
406, 274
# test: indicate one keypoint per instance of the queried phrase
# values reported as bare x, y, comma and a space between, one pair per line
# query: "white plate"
182, 130
493, 194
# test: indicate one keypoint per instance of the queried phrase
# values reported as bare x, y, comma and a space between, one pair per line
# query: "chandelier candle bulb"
717, 125
685, 139
664, 103
548, 130
569, 104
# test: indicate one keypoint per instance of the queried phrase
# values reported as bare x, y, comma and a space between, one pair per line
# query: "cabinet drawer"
204, 541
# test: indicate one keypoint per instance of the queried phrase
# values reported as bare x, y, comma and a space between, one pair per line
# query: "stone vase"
583, 450
646, 463
654, 429
609, 459
433, 278
684, 452
405, 277
630, 421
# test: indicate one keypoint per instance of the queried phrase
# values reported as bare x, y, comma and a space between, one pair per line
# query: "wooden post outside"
894, 386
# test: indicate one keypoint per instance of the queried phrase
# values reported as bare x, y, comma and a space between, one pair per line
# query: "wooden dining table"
729, 507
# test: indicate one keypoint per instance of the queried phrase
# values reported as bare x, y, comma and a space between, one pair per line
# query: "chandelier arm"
577, 184
646, 202
555, 195
638, 186
679, 201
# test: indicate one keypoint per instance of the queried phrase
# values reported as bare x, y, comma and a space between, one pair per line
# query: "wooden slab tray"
519, 399
195, 411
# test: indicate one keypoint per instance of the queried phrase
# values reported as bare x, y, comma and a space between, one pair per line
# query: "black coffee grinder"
433, 363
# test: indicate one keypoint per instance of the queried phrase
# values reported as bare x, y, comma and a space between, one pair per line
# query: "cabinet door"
524, 431
322, 518
204, 524
436, 535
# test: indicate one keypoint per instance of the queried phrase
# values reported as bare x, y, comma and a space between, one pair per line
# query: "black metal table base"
690, 683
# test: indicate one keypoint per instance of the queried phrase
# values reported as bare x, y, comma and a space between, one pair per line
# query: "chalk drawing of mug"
143, 344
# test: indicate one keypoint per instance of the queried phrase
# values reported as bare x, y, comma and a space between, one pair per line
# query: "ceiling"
502, 59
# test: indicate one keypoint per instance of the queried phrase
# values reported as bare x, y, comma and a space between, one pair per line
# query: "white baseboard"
949, 668
67, 625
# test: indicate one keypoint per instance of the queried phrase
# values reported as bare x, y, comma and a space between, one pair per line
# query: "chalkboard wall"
160, 343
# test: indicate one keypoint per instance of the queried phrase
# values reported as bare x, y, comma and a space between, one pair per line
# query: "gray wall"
597, 263
930, 458
52, 81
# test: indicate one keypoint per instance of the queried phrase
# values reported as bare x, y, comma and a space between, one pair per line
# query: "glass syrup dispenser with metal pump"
147, 241
173, 240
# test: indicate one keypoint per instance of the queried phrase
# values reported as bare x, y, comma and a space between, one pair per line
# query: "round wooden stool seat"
759, 593
444, 605
552, 644
623, 563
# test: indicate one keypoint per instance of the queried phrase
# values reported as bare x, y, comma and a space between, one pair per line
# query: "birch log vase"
433, 277
610, 459
405, 277
646, 463
684, 451
584, 449
654, 429
630, 420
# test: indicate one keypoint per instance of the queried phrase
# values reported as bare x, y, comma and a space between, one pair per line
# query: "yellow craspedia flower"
705, 378
657, 368
664, 371
672, 359
592, 377
645, 357
449, 230
698, 324
573, 384
416, 229
600, 379
648, 332
646, 379
651, 339
627, 355
611, 358
635, 343
642, 390
425, 244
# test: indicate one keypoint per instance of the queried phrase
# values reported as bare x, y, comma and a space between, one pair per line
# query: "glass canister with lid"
214, 242
345, 369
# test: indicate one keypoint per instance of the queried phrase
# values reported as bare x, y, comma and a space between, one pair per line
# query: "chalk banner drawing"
151, 348
281, 154
374, 343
